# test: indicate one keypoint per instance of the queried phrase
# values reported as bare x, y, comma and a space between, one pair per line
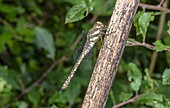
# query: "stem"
151, 47
153, 7
159, 34
106, 66
128, 101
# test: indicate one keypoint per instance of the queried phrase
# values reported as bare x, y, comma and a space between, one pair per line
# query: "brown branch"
127, 102
153, 7
151, 47
160, 4
75, 42
22, 86
113, 46
37, 82
159, 35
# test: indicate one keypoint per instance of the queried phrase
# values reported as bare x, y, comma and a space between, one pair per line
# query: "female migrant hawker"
93, 35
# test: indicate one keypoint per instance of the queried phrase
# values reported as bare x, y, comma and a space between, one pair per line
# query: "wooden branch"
128, 101
160, 30
110, 54
152, 7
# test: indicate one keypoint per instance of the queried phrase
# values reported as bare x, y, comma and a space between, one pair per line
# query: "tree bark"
110, 54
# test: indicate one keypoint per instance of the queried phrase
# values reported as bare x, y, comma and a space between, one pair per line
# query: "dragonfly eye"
99, 24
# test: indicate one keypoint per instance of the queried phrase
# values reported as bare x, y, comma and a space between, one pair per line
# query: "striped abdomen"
85, 51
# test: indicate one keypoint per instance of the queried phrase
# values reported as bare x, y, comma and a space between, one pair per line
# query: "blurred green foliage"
37, 48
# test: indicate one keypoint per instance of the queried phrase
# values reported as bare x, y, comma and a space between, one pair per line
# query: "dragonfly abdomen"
81, 57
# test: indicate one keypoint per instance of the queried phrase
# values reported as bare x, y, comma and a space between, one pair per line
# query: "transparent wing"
89, 55
81, 46
77, 53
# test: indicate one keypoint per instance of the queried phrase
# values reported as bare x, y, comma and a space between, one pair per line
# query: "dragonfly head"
98, 24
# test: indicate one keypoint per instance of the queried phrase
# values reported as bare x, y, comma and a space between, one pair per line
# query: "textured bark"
110, 54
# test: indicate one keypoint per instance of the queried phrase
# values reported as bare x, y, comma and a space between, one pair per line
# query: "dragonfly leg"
102, 36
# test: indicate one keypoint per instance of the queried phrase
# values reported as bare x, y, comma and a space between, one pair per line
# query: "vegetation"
38, 39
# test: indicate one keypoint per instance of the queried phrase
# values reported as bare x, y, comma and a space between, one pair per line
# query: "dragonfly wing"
77, 53
89, 55
80, 45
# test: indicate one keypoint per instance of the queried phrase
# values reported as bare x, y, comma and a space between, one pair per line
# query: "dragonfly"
94, 34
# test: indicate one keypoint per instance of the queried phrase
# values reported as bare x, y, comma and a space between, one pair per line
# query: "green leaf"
91, 4
34, 96
168, 104
135, 77
44, 39
72, 93
125, 96
167, 57
23, 30
57, 98
73, 2
9, 28
111, 94
159, 46
10, 9
14, 47
150, 98
142, 21
166, 40
166, 77
21, 104
10, 76
53, 106
33, 64
150, 82
159, 105
4, 38
103, 10
169, 27
76, 13
34, 7
4, 86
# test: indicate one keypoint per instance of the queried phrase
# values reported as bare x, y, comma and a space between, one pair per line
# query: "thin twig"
76, 42
159, 35
40, 79
128, 101
160, 4
153, 7
20, 81
151, 47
